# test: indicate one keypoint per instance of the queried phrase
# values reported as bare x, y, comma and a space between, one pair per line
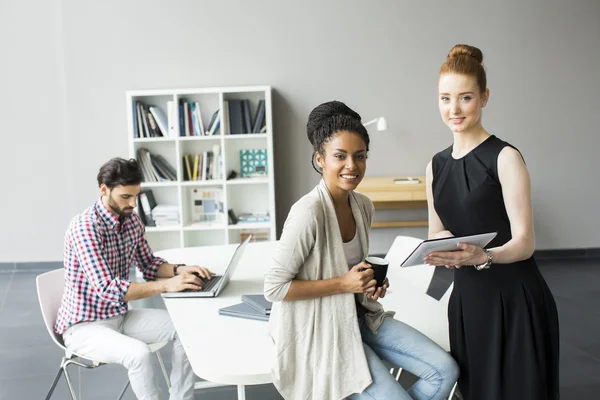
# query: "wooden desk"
387, 195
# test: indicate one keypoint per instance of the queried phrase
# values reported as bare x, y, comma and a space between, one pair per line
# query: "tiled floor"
30, 360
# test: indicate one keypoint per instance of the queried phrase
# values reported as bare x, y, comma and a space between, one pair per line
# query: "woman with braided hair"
502, 316
330, 332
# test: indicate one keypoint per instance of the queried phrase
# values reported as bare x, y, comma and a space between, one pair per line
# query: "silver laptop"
215, 286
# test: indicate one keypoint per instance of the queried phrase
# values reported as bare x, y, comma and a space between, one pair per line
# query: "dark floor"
30, 359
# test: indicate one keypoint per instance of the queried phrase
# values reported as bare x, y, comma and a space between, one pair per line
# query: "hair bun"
323, 113
466, 50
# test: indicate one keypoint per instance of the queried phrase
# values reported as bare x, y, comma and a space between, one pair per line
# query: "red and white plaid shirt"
99, 252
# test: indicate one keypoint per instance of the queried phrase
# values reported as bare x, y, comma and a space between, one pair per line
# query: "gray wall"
67, 66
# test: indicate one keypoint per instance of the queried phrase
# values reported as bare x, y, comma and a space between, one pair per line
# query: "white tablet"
445, 244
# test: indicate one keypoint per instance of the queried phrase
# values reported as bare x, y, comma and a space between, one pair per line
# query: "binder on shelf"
148, 202
236, 124
259, 120
201, 131
225, 118
247, 118
180, 113
136, 133
160, 119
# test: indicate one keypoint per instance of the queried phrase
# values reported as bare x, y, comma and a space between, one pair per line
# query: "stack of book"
165, 215
253, 306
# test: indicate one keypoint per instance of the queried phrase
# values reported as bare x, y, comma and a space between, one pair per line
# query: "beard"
123, 212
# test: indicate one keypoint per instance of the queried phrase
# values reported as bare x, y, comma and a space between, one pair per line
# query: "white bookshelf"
243, 195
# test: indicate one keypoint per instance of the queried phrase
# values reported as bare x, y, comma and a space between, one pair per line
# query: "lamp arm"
371, 122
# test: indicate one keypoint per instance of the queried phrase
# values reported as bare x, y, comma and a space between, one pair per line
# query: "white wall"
69, 64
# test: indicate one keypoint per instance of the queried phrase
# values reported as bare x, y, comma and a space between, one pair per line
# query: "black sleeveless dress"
503, 320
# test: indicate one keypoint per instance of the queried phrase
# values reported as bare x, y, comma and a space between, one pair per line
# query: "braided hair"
326, 120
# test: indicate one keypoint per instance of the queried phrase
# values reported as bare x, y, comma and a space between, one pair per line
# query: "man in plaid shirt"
101, 246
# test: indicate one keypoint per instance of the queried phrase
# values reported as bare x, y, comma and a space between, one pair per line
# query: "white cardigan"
319, 350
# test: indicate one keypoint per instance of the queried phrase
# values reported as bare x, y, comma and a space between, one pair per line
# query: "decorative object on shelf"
381, 123
253, 163
206, 205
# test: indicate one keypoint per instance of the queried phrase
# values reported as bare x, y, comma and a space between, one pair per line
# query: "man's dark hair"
119, 171
327, 119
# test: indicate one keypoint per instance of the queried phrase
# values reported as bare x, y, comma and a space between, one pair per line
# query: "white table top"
238, 351
220, 348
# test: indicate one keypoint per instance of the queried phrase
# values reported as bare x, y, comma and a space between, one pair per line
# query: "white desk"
236, 351
223, 349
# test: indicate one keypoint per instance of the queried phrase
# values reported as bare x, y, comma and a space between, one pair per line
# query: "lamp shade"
381, 123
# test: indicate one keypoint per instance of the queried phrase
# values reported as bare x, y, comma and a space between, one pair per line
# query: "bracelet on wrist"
175, 267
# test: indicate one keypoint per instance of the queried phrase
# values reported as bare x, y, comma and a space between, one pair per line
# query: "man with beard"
101, 246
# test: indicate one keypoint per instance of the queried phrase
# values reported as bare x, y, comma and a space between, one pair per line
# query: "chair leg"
60, 371
123, 391
163, 369
68, 379
453, 391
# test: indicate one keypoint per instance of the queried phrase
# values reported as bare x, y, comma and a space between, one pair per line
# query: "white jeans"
123, 340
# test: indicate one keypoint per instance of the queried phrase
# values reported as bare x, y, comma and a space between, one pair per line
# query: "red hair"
466, 60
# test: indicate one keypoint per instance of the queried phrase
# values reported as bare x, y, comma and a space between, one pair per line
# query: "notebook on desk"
258, 302
215, 286
243, 310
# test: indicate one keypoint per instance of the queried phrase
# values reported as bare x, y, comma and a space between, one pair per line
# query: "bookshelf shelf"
247, 181
245, 136
204, 227
168, 125
163, 228
159, 184
250, 225
209, 182
199, 138
154, 139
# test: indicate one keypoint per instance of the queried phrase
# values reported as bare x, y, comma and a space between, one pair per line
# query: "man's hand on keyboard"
188, 279
201, 271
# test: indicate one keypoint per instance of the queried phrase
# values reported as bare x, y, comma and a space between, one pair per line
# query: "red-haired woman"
503, 320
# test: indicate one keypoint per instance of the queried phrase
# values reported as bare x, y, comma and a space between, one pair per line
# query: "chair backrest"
418, 276
50, 287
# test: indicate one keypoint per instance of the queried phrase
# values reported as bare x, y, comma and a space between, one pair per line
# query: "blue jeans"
405, 347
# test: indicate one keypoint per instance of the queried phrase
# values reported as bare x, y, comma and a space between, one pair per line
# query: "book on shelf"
148, 121
239, 117
204, 166
154, 167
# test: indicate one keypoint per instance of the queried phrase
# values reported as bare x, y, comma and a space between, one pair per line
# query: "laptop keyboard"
208, 285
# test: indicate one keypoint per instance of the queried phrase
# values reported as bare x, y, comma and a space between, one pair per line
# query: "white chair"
50, 289
409, 299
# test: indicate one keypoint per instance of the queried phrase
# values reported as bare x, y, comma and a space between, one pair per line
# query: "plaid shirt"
99, 252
